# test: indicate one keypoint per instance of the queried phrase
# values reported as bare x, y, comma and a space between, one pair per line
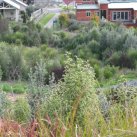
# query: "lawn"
13, 87
120, 77
43, 21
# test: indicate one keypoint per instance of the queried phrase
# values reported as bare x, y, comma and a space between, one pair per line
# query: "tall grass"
73, 107
118, 124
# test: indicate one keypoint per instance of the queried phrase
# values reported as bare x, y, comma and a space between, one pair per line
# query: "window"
103, 14
124, 16
88, 13
114, 15
118, 15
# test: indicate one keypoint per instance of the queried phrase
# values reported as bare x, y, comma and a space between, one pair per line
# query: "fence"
36, 15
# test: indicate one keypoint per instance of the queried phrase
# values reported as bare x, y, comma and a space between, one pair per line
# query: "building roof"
87, 6
123, 5
103, 1
20, 2
122, 0
11, 3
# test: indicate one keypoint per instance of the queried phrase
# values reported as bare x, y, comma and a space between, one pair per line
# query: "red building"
124, 11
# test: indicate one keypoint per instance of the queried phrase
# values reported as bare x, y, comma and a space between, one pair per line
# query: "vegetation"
46, 19
68, 82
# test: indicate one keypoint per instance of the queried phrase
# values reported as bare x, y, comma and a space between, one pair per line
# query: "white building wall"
17, 15
10, 14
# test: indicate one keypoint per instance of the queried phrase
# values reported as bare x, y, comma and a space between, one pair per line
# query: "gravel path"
14, 97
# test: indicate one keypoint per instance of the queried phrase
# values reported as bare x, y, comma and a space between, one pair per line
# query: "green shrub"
7, 87
46, 36
31, 56
73, 25
11, 61
122, 60
18, 42
109, 71
32, 38
94, 46
71, 16
132, 53
37, 88
94, 34
63, 20
16, 27
29, 10
19, 89
76, 93
22, 111
98, 71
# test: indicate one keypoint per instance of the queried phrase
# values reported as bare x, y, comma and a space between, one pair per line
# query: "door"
103, 14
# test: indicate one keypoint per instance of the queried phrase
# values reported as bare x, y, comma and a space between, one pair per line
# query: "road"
57, 12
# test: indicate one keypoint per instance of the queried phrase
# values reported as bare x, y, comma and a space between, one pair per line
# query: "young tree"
67, 2
24, 16
63, 20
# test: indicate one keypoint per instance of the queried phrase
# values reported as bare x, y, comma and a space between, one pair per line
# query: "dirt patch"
14, 97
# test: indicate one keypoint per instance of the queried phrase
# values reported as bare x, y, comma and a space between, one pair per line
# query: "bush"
94, 46
71, 16
32, 38
131, 41
22, 111
109, 72
46, 36
19, 89
73, 25
7, 88
11, 61
75, 94
63, 20
94, 34
37, 89
16, 27
122, 60
98, 72
132, 53
29, 10
32, 56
